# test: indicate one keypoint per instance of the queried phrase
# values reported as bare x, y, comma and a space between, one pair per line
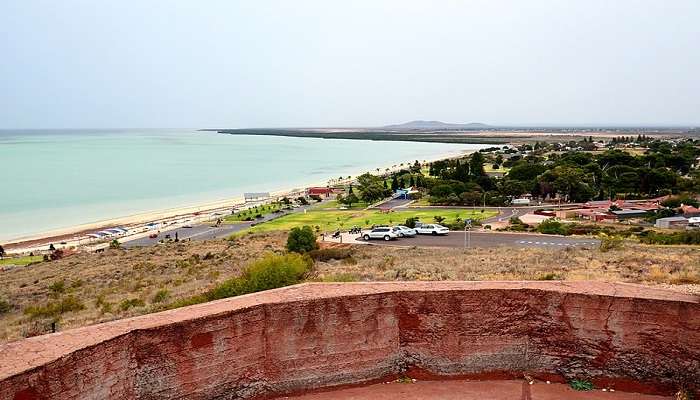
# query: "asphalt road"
206, 231
491, 239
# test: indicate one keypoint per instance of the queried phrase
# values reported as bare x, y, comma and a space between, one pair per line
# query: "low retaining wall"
312, 336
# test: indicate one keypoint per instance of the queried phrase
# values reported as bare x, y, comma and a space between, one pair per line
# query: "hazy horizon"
79, 64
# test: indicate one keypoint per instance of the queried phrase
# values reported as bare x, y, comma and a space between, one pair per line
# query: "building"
672, 222
629, 213
690, 211
319, 191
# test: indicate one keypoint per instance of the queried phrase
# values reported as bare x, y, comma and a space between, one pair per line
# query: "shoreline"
74, 234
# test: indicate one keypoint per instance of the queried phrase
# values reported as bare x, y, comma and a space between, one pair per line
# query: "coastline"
73, 235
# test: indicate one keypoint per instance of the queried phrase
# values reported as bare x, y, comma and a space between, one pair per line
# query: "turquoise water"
58, 179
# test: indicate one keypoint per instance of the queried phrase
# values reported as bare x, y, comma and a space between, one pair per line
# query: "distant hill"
424, 125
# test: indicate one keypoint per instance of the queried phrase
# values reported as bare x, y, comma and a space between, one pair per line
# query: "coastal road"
208, 231
490, 239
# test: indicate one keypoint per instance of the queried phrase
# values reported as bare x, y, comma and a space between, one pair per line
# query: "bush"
161, 296
411, 222
114, 244
5, 306
55, 309
130, 303
581, 385
686, 237
57, 287
330, 254
315, 197
552, 227
610, 242
270, 272
301, 240
438, 219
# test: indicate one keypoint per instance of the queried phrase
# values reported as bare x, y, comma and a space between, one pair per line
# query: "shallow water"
60, 178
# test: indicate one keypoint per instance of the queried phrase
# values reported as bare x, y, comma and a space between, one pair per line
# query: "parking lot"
460, 239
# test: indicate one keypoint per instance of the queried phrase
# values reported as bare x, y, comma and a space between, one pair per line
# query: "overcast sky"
236, 64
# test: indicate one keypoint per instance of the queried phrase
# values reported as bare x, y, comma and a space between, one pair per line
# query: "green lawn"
488, 167
333, 219
334, 205
21, 261
242, 215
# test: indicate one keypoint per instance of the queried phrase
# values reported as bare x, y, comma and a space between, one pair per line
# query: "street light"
467, 234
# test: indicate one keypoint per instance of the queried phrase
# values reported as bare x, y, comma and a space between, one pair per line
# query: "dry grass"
123, 283
634, 263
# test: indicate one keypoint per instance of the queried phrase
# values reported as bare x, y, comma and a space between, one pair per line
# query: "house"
690, 211
672, 222
319, 191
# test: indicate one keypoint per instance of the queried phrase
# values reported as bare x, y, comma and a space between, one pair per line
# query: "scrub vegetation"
86, 288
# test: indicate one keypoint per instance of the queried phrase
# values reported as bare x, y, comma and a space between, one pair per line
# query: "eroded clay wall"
318, 335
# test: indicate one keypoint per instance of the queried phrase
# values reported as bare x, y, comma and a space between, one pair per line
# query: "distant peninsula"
437, 125
467, 133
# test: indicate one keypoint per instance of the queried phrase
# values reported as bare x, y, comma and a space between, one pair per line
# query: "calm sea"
55, 179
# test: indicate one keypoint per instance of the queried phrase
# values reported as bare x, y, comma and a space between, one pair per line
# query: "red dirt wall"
313, 336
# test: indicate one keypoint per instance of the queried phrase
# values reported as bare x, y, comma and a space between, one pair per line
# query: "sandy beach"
76, 236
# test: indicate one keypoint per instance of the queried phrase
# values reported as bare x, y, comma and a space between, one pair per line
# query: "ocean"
54, 179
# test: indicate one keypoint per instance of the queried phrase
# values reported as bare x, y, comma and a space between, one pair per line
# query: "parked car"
432, 229
404, 231
382, 232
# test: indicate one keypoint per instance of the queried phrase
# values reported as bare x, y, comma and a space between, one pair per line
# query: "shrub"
315, 197
55, 309
301, 240
57, 287
342, 277
330, 254
610, 242
686, 237
5, 306
270, 272
411, 222
553, 227
438, 218
130, 303
161, 296
114, 244
581, 385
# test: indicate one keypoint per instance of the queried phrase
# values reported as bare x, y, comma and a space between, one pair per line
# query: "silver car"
382, 232
404, 231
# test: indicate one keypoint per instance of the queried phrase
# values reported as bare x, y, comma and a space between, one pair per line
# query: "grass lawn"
333, 219
488, 167
21, 261
251, 213
334, 205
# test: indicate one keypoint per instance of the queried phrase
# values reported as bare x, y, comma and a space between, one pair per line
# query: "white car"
382, 232
404, 231
432, 229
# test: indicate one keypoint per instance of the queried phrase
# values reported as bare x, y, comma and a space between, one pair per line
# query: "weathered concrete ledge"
312, 336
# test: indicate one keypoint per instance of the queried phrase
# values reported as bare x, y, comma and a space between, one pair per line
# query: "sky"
260, 63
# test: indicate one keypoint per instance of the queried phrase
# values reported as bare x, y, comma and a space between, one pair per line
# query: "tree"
394, 183
349, 200
476, 164
371, 188
301, 240
411, 222
2, 251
